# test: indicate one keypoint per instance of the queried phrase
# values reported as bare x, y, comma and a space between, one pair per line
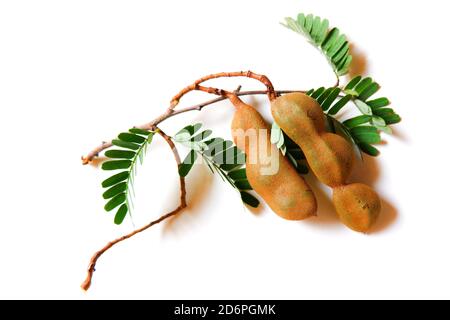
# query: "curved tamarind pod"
283, 189
329, 156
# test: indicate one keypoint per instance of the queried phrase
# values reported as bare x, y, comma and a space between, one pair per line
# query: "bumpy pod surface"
283, 189
329, 156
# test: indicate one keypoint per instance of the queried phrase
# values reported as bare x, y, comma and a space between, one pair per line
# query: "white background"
74, 73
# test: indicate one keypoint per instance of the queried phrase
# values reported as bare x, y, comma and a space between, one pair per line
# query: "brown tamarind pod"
277, 182
329, 156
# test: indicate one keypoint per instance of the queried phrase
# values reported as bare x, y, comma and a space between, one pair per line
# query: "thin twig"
337, 80
87, 282
249, 74
170, 113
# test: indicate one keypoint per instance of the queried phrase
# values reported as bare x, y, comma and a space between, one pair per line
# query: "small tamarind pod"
329, 156
282, 188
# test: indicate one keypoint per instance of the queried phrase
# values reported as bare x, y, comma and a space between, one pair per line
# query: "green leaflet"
187, 137
217, 146
366, 134
326, 104
243, 184
362, 85
116, 201
368, 149
378, 103
115, 179
370, 90
131, 137
363, 107
249, 199
316, 93
139, 131
388, 115
239, 174
120, 185
115, 190
188, 162
277, 138
324, 95
126, 145
339, 104
202, 136
189, 130
356, 121
352, 83
120, 154
120, 214
116, 164
221, 157
377, 121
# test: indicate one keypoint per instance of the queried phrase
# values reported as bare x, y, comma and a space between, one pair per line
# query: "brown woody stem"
170, 113
249, 74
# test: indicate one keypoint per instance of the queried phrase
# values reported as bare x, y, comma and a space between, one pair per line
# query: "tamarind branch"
170, 113
87, 282
200, 106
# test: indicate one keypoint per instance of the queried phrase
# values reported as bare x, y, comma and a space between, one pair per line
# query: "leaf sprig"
331, 43
221, 156
133, 147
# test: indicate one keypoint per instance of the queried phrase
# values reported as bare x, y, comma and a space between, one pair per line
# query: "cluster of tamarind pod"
329, 156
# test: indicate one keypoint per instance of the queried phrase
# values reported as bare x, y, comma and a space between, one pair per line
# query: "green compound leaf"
221, 156
120, 185
332, 43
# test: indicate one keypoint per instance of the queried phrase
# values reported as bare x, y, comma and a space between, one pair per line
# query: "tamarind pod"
329, 156
284, 190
